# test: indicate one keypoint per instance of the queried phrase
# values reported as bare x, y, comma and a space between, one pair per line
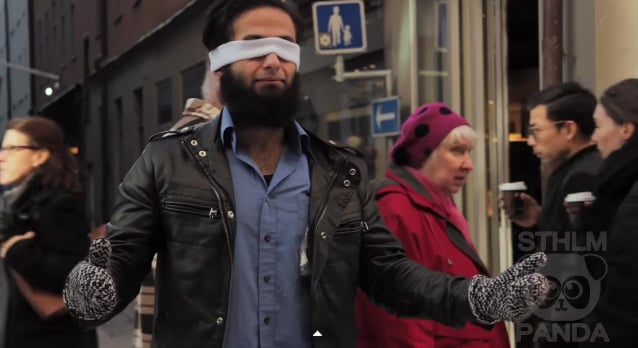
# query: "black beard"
275, 108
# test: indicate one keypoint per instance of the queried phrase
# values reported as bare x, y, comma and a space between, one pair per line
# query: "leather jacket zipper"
322, 208
214, 185
193, 209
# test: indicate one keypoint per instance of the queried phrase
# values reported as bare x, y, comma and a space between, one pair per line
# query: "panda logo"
574, 281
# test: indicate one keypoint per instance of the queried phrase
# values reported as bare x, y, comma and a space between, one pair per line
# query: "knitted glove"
89, 292
512, 295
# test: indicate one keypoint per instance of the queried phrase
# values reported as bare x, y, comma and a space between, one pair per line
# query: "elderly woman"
430, 162
43, 234
615, 212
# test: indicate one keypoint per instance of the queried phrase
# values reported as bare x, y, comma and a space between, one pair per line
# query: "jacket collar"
420, 196
320, 154
574, 158
416, 191
296, 136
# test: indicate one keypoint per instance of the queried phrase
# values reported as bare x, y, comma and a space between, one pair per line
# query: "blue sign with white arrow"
339, 26
385, 117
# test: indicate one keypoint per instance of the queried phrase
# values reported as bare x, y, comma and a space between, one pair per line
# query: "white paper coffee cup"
513, 186
580, 197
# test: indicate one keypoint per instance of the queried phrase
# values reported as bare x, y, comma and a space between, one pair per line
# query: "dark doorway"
523, 81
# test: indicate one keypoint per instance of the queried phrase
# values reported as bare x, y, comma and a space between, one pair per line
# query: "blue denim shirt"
269, 303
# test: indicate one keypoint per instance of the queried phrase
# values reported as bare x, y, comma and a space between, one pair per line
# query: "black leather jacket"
177, 200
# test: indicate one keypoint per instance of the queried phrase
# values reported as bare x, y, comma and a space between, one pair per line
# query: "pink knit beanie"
423, 132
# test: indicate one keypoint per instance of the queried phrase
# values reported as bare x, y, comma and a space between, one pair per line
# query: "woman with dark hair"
43, 234
615, 212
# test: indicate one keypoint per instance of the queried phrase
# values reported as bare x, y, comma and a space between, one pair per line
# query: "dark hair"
567, 101
60, 171
620, 101
218, 28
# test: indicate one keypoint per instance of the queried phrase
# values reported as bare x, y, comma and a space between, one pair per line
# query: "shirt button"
267, 239
219, 321
230, 214
352, 172
194, 142
267, 279
267, 320
202, 154
346, 183
323, 235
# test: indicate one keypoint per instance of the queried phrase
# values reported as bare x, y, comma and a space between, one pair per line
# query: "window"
63, 51
164, 101
47, 43
138, 109
86, 56
441, 26
119, 124
40, 41
54, 51
72, 31
192, 79
118, 11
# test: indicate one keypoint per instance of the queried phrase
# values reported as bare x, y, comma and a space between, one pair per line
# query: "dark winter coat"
615, 213
61, 241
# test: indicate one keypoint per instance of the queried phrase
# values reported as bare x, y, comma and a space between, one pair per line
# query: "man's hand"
530, 214
13, 240
512, 295
89, 293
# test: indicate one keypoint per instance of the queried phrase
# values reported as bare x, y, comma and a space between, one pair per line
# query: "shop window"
164, 101
138, 109
192, 79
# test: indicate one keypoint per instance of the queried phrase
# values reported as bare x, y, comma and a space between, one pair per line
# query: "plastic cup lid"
513, 186
580, 197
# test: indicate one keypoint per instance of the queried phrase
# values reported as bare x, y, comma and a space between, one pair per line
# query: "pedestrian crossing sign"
339, 26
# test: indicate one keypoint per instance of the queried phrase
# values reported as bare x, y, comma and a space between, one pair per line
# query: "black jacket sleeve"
403, 287
61, 241
133, 228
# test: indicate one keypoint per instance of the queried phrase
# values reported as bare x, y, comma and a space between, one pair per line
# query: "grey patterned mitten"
89, 292
512, 295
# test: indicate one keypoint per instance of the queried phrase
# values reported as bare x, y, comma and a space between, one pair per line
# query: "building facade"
15, 51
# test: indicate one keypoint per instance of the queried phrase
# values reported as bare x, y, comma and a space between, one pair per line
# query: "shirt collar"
296, 136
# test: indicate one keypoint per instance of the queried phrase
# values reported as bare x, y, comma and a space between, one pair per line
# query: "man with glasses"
560, 129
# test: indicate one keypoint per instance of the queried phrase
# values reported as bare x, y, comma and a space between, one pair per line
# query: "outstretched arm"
110, 278
406, 288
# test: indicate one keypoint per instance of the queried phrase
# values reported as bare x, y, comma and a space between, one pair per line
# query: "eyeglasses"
533, 131
19, 147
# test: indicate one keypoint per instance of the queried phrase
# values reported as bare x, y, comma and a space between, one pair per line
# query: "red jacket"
433, 241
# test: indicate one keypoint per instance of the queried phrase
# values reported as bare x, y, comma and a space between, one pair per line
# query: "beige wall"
601, 41
616, 41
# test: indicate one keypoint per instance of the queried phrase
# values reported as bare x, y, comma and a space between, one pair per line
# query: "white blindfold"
234, 51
